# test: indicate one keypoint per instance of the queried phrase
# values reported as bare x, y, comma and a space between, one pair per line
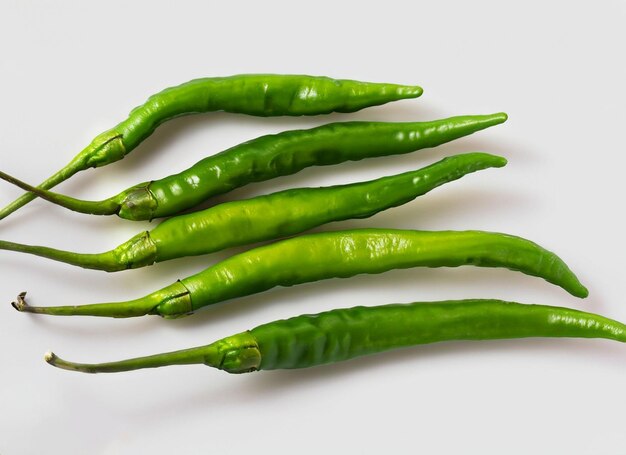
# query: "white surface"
70, 70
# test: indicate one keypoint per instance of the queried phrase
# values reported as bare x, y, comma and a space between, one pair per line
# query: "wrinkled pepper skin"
339, 335
293, 211
268, 217
342, 334
339, 254
292, 151
268, 157
254, 94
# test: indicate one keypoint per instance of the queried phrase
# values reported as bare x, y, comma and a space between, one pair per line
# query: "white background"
70, 70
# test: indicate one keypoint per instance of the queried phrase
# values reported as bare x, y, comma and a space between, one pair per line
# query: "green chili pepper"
253, 94
338, 335
268, 217
271, 156
326, 255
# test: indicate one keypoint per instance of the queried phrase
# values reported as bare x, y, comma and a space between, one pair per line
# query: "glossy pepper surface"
339, 254
252, 94
268, 217
268, 157
342, 334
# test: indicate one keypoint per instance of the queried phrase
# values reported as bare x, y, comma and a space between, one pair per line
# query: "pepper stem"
106, 261
20, 304
136, 252
105, 207
200, 355
131, 308
106, 148
237, 353
54, 180
171, 301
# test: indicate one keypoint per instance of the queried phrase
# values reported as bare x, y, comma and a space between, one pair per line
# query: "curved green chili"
253, 94
268, 217
326, 255
338, 335
271, 156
